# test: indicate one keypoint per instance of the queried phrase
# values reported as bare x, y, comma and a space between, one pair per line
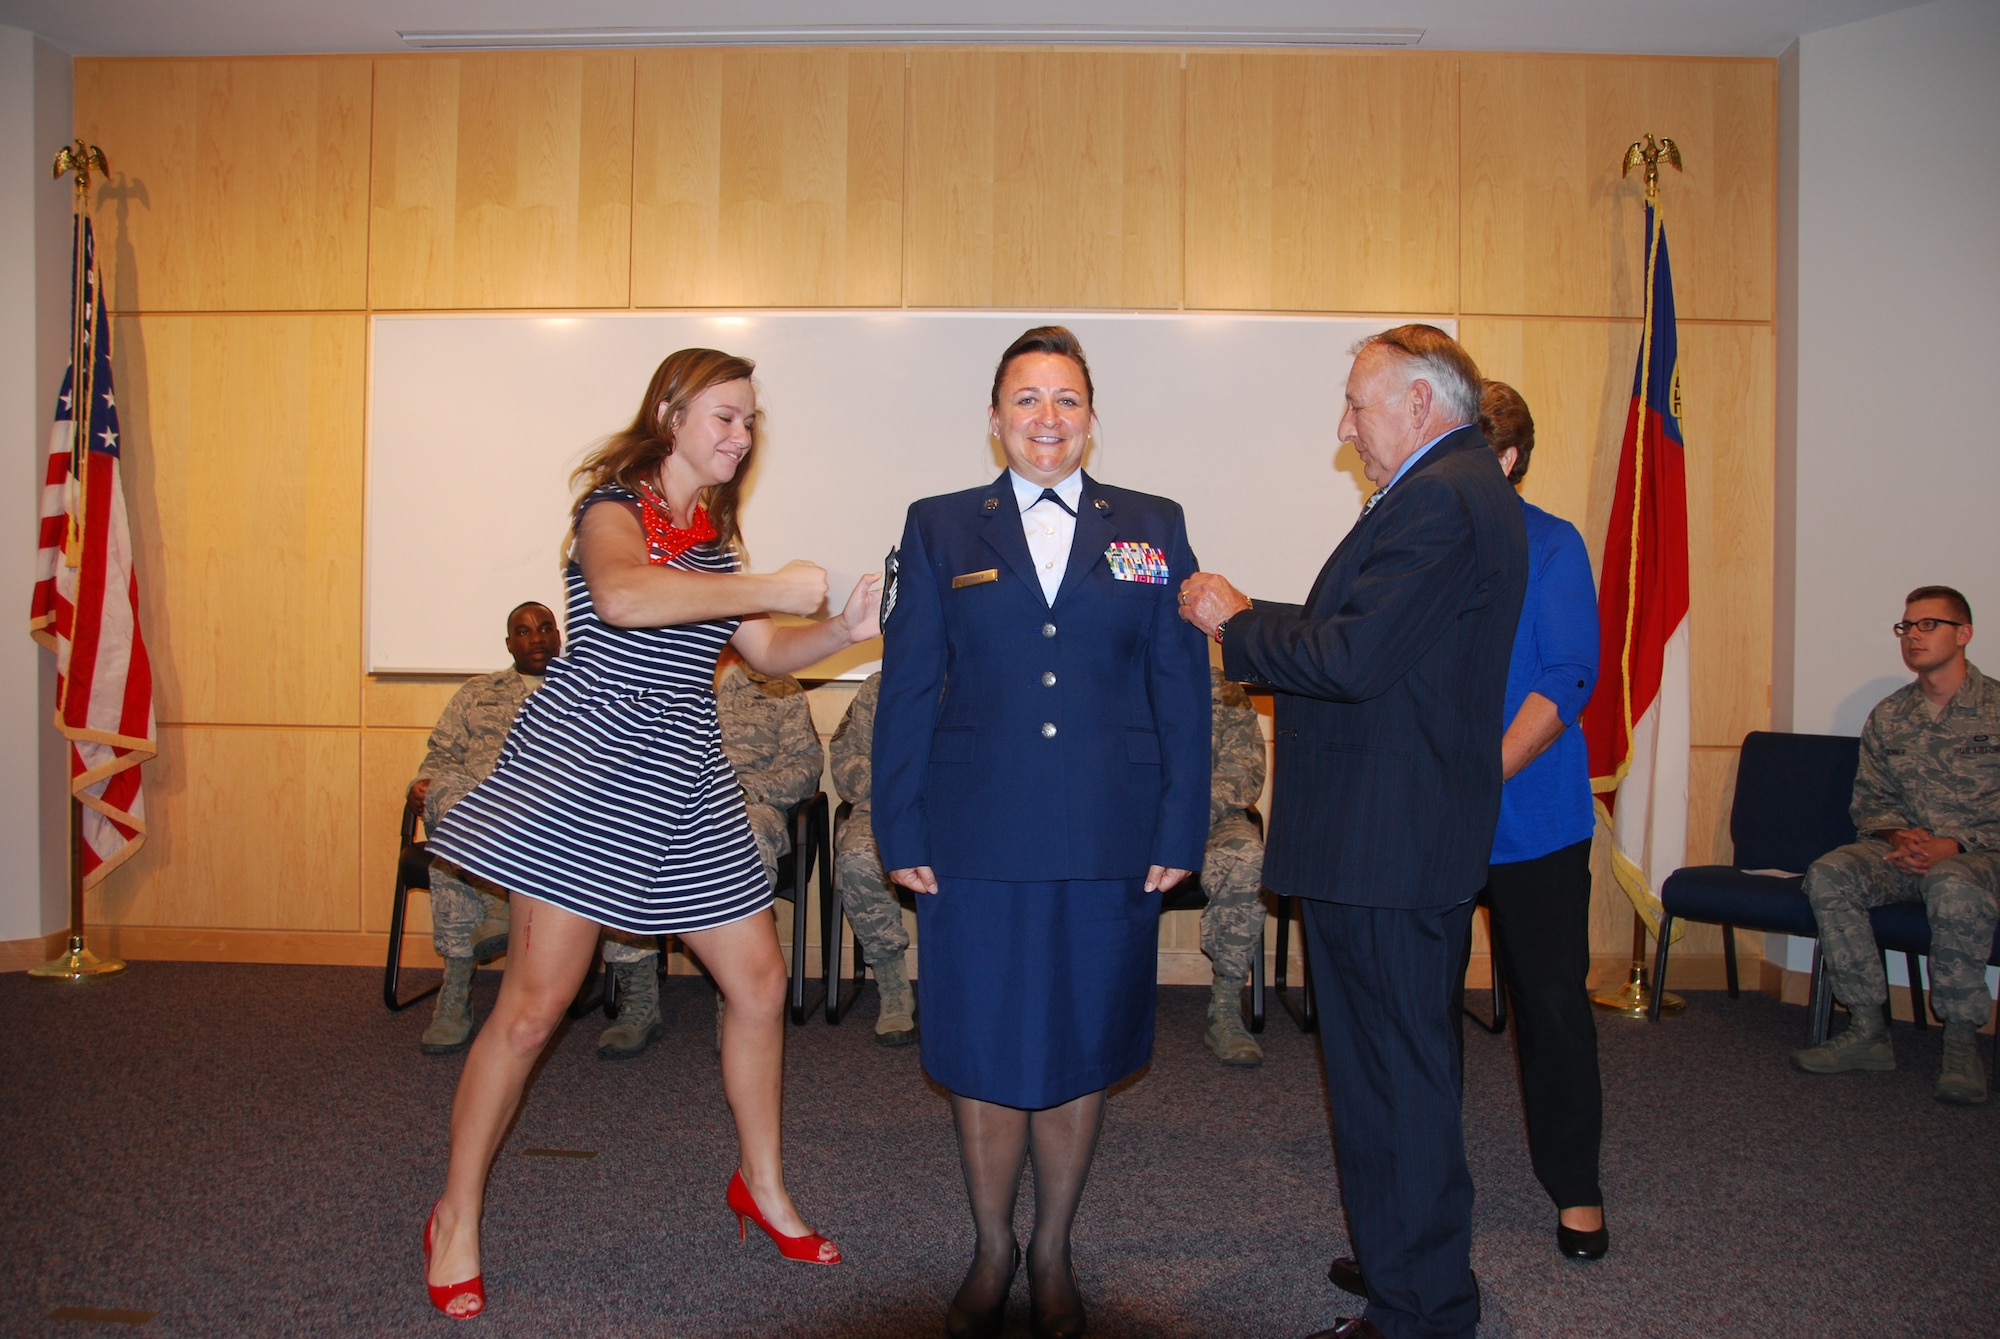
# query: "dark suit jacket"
970, 778
1390, 681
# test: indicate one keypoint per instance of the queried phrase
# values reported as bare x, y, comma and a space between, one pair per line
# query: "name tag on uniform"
975, 578
1134, 560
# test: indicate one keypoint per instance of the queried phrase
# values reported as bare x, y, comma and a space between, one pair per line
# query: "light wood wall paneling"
389, 758
502, 180
411, 702
235, 185
1322, 182
1549, 226
247, 829
1729, 421
1044, 179
243, 475
768, 178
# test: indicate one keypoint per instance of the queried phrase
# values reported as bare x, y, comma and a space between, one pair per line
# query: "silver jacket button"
1048, 729
1048, 678
1048, 629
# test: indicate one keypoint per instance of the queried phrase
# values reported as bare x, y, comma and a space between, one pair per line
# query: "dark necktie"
1373, 498
1050, 495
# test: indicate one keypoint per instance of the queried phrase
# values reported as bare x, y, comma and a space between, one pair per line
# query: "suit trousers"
1388, 983
1541, 929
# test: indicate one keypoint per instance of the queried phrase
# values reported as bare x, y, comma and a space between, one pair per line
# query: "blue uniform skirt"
1036, 993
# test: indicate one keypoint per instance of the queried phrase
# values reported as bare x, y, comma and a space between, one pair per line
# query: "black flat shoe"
963, 1323
1345, 1274
1579, 1244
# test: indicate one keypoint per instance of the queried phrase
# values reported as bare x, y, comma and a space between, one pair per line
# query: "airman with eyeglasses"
1927, 811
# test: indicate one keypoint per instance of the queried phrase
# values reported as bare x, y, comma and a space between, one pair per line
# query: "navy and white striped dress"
612, 798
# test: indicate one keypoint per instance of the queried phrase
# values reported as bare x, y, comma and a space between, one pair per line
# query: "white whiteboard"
474, 423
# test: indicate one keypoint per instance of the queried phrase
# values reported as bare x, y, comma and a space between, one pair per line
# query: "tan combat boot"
451, 1025
639, 1023
1865, 1045
1226, 1035
896, 1020
1964, 1078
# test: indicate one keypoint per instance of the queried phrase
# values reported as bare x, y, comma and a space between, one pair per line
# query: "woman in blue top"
1538, 885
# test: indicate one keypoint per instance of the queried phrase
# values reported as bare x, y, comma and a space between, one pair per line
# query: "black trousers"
1541, 928
1385, 982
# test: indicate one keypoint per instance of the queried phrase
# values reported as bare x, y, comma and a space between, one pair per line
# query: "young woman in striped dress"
612, 803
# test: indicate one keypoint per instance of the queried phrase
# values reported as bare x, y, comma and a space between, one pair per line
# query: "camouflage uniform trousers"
767, 825
1232, 924
866, 897
1961, 896
459, 906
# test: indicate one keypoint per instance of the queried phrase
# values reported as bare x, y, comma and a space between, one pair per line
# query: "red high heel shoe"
811, 1248
443, 1296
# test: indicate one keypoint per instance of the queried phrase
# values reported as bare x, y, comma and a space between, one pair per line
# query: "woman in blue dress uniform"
1041, 761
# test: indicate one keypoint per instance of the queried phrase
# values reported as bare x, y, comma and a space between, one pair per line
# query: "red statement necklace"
666, 541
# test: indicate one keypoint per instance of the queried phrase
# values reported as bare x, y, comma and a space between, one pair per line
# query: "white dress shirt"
1050, 529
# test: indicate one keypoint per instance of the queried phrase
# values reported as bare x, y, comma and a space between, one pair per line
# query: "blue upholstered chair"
1792, 796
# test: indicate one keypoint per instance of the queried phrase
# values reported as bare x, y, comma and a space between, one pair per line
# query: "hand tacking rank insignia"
1134, 560
891, 567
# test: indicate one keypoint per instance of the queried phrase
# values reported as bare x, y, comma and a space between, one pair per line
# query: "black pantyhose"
993, 1142
1062, 1140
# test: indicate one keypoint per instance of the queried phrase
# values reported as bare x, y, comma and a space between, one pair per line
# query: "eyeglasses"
1906, 627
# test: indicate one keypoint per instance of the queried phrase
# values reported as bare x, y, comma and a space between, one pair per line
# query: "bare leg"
748, 966
549, 953
992, 1144
1063, 1139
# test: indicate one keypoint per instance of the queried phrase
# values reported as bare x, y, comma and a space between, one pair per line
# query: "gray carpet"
251, 1151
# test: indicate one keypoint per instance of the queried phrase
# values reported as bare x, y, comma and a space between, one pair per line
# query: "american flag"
86, 601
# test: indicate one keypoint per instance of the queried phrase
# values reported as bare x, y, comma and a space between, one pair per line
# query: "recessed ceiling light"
911, 35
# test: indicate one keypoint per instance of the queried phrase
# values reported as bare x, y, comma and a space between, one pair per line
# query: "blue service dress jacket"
1390, 681
1021, 741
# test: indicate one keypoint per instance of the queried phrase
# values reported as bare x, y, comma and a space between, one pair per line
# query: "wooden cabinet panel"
243, 479
502, 180
1044, 179
389, 758
235, 184
247, 829
1549, 226
1729, 420
768, 178
1322, 182
1577, 379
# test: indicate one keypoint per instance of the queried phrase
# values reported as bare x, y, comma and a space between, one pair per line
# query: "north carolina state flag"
1637, 722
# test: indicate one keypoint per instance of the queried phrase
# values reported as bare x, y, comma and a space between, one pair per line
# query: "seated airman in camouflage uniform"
469, 916
870, 902
1927, 807
1232, 872
768, 737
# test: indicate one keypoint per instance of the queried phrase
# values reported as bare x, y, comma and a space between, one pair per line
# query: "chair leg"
1729, 958
1919, 1008
1257, 987
1819, 1004
392, 974
1666, 938
1499, 986
1310, 1020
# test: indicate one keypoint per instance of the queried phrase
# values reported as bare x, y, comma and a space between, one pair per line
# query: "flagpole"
1634, 999
78, 963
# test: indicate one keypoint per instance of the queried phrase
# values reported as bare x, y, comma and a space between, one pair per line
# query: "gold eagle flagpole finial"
80, 158
1648, 153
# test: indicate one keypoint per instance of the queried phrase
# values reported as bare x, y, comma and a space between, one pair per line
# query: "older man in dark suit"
1390, 682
